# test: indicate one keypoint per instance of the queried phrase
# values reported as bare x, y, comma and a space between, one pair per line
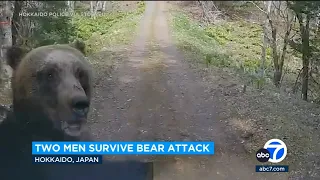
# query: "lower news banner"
67, 159
272, 168
91, 152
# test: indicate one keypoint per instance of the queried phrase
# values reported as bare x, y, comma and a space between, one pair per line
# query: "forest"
263, 57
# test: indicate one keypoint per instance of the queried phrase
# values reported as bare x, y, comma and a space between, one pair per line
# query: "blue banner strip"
124, 148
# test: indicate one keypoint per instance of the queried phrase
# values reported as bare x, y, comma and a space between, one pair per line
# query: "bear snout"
80, 106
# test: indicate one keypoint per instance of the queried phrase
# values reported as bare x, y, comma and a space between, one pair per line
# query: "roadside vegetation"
260, 82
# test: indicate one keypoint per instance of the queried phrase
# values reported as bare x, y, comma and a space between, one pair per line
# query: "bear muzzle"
79, 109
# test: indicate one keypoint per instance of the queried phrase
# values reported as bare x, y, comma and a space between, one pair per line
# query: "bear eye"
80, 74
50, 75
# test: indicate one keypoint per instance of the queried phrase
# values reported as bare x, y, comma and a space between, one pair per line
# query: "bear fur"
51, 88
44, 83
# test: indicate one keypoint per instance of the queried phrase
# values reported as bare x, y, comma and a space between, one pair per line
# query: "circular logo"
263, 155
277, 150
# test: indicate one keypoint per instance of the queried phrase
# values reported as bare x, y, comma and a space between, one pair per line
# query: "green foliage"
85, 25
51, 29
251, 66
239, 36
141, 7
220, 36
95, 31
193, 39
257, 81
107, 29
230, 44
243, 41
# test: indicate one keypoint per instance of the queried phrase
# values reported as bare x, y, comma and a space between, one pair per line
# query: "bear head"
51, 88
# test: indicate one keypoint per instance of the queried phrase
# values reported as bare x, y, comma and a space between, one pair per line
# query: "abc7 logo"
263, 155
273, 151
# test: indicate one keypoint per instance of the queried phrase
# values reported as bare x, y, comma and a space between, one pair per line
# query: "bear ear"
14, 55
80, 45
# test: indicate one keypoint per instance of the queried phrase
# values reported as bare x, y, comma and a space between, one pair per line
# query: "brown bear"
53, 83
51, 88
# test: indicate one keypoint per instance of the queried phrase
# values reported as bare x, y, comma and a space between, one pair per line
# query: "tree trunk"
304, 28
15, 20
91, 7
263, 53
95, 9
284, 47
104, 6
277, 77
6, 34
264, 42
5, 24
277, 68
71, 5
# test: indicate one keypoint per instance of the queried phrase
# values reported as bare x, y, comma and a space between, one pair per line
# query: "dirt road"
154, 96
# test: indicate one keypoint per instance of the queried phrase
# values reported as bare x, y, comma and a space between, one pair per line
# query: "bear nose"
80, 106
